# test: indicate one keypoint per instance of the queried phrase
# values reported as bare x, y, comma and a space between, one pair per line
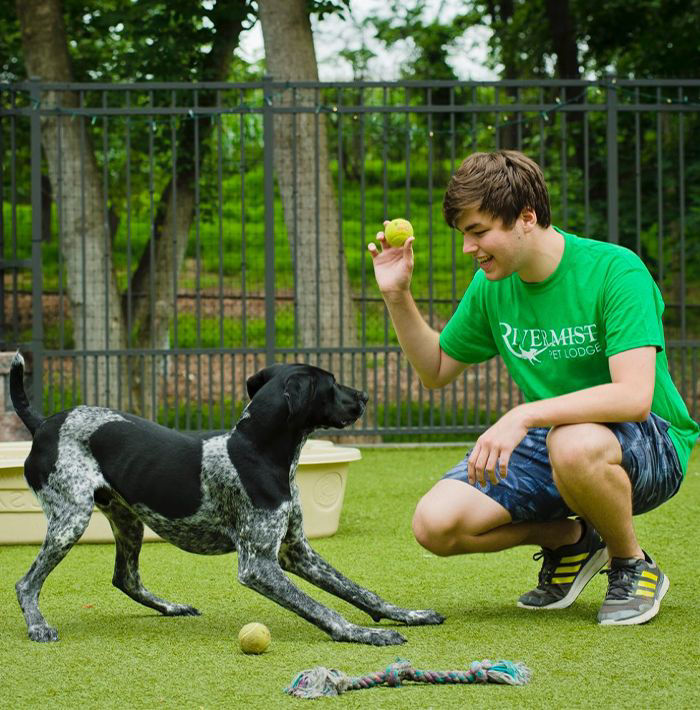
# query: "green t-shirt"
556, 336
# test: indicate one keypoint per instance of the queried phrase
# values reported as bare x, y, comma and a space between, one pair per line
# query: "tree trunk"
325, 314
75, 179
502, 14
563, 33
561, 27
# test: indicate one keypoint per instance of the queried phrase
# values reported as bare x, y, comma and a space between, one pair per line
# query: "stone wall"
11, 427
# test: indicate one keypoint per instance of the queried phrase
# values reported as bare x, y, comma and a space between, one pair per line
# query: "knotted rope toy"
319, 681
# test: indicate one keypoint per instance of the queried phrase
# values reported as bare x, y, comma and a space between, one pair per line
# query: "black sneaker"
566, 571
635, 590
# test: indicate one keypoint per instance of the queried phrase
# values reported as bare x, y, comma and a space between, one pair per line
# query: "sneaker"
566, 571
635, 590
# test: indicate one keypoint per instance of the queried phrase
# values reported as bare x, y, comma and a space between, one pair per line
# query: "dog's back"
149, 464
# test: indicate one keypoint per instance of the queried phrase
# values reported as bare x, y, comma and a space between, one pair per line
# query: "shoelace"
549, 564
621, 581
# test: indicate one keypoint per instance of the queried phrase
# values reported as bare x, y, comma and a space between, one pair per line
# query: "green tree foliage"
641, 39
141, 40
128, 40
431, 38
646, 38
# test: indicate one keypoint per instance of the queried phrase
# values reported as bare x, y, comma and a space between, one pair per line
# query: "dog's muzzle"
354, 403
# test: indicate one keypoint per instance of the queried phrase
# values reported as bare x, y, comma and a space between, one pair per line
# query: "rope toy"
319, 681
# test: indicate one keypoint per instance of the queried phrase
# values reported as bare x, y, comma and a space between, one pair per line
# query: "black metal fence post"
37, 280
269, 190
613, 166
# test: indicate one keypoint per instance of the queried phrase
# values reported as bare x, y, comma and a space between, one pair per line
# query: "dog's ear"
299, 391
256, 381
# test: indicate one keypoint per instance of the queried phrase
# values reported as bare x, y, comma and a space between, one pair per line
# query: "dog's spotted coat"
211, 495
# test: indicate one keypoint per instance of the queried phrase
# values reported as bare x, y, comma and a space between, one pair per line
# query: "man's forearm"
613, 402
627, 398
419, 342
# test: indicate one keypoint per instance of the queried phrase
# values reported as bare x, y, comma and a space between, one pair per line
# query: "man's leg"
524, 508
456, 518
587, 469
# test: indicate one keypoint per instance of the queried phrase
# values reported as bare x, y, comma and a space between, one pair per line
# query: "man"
603, 433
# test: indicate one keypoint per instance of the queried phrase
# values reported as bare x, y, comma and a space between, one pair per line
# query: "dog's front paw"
384, 637
43, 633
375, 637
423, 617
181, 610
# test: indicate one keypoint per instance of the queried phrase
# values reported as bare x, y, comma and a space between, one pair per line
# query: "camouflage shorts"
529, 492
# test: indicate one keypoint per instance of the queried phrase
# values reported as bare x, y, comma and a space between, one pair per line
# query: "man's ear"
299, 391
529, 218
256, 381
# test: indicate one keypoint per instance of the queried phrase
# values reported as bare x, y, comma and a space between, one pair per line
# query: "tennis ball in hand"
398, 231
254, 638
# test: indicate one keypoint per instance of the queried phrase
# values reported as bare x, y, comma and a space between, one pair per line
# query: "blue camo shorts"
528, 491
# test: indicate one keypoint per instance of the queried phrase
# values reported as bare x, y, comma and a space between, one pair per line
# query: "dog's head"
314, 400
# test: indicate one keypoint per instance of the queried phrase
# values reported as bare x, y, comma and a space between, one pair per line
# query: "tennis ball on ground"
398, 231
254, 638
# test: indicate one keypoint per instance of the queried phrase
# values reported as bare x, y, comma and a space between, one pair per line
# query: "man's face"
499, 251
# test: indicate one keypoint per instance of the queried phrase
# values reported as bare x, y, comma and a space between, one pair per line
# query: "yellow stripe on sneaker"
574, 558
563, 580
567, 568
650, 575
648, 585
643, 593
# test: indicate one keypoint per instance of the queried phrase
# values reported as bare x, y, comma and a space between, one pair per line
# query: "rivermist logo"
567, 343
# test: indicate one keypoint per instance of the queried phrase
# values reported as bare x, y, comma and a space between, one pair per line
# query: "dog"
209, 494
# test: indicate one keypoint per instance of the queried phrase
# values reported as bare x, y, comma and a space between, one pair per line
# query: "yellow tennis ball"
254, 638
398, 231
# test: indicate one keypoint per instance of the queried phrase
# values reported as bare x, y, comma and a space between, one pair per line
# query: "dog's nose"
363, 397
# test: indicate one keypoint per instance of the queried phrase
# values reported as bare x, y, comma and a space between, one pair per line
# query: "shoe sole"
647, 615
589, 570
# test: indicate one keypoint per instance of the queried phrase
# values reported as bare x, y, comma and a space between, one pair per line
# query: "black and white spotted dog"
208, 495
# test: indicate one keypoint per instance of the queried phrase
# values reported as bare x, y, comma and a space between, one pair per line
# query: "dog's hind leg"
301, 559
65, 525
128, 536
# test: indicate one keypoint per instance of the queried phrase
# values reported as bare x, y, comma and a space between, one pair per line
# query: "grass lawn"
114, 653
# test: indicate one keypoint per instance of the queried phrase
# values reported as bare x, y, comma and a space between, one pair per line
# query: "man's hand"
495, 446
393, 266
627, 398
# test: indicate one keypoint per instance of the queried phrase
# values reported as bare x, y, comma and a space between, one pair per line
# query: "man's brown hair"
501, 184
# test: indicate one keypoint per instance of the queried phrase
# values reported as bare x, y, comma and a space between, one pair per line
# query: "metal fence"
161, 242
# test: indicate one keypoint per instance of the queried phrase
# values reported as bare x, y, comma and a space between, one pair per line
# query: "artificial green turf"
114, 653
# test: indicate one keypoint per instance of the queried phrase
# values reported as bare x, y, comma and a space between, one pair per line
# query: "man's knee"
452, 516
442, 532
581, 450
430, 528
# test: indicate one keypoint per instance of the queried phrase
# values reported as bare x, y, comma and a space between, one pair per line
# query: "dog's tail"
20, 402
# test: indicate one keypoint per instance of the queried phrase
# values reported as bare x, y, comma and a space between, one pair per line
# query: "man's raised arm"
393, 267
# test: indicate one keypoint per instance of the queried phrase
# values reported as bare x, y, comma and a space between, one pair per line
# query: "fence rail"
161, 242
